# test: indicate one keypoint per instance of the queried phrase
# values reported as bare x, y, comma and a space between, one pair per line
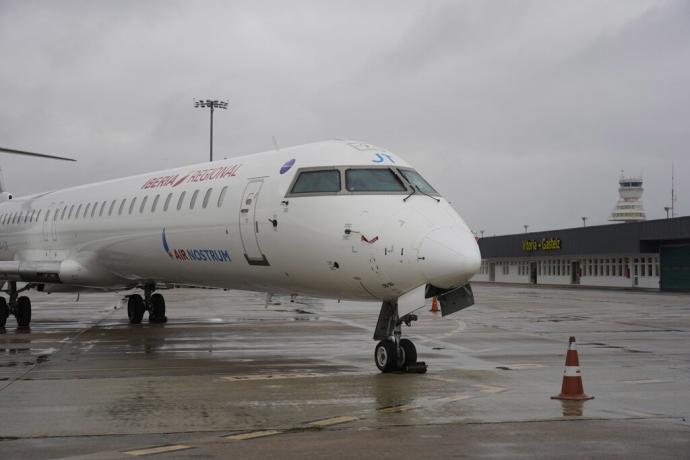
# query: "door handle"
244, 210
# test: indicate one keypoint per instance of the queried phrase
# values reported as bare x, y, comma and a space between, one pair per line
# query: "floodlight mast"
211, 105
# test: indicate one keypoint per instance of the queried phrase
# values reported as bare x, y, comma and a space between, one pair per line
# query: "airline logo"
200, 175
196, 254
286, 167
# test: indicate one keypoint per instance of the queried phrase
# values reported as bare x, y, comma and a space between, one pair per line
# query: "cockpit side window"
373, 180
319, 181
418, 182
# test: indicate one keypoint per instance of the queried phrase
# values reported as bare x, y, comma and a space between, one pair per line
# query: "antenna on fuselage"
30, 154
276, 147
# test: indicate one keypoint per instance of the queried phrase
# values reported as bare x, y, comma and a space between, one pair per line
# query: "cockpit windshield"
418, 182
320, 181
372, 180
358, 180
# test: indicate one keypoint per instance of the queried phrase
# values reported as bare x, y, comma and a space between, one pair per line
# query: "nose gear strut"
393, 353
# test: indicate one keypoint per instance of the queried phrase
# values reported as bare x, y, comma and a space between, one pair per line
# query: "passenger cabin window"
86, 209
93, 210
181, 200
131, 205
207, 196
221, 197
167, 202
143, 204
122, 206
100, 213
71, 211
192, 202
418, 182
372, 180
62, 214
38, 215
155, 203
327, 181
112, 206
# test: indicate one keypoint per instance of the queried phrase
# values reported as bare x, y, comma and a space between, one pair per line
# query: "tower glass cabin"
629, 207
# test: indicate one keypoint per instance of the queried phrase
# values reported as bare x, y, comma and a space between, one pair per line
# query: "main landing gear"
153, 303
19, 306
394, 353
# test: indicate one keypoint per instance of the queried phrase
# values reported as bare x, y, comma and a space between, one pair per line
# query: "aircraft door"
249, 227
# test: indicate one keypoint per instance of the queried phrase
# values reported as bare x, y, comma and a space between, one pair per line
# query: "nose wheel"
393, 353
389, 358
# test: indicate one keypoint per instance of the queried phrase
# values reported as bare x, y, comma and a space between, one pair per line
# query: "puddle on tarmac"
573, 408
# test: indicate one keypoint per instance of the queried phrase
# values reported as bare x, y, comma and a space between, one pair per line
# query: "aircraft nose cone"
450, 257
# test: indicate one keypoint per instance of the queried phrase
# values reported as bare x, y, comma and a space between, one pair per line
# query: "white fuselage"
245, 229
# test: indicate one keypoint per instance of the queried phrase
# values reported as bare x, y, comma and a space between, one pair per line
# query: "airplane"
334, 219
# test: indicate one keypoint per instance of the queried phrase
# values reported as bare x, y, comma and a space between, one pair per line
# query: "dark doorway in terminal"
492, 272
675, 268
533, 272
575, 273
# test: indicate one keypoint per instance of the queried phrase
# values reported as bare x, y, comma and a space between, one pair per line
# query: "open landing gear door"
452, 300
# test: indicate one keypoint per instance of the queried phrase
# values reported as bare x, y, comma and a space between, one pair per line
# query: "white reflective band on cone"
572, 371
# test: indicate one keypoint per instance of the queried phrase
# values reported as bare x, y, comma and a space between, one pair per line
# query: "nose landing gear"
394, 353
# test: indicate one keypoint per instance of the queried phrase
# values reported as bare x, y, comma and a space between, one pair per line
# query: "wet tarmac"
229, 375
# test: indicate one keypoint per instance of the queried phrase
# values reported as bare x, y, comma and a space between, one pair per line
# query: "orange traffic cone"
434, 305
572, 388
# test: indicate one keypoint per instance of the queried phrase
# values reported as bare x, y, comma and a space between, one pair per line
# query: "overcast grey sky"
519, 112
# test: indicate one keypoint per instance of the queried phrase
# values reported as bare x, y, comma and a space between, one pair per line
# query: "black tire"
4, 311
135, 309
23, 312
157, 313
386, 356
410, 351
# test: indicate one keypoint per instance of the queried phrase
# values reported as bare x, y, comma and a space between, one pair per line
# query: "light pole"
526, 227
584, 221
667, 209
212, 105
482, 233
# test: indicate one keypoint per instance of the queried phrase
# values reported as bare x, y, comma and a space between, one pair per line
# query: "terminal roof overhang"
621, 238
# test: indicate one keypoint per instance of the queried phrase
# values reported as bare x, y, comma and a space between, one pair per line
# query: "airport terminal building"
653, 254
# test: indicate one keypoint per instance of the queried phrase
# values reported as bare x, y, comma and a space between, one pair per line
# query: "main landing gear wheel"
157, 309
23, 312
135, 309
4, 312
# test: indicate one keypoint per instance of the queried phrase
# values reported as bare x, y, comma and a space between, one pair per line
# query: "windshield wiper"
415, 189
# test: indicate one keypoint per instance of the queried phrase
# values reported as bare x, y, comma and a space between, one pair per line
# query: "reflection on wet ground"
231, 365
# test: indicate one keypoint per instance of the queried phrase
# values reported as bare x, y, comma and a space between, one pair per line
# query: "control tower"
629, 207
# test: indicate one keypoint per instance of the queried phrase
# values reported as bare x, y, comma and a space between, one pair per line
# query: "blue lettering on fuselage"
383, 157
